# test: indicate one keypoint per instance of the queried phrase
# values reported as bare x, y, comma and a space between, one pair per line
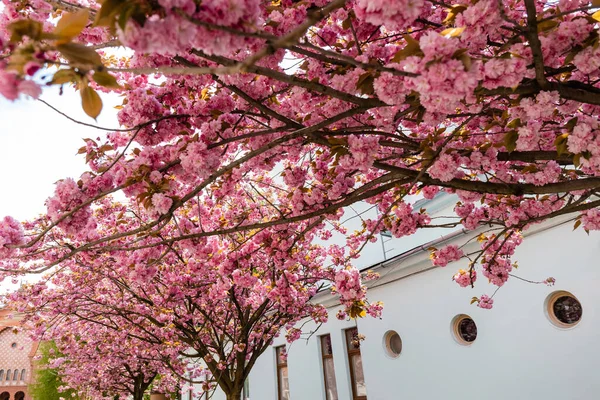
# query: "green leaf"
577, 160
570, 57
453, 11
515, 123
547, 25
71, 24
347, 23
25, 27
91, 102
467, 62
108, 12
453, 32
570, 125
412, 48
365, 82
105, 79
79, 54
561, 144
510, 140
63, 76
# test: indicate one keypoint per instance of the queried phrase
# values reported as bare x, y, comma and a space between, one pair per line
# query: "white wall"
373, 252
304, 365
518, 353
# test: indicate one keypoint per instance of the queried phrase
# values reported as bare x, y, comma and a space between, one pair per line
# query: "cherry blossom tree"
254, 123
47, 382
206, 307
101, 363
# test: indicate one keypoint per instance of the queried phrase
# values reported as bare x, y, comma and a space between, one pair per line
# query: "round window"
393, 344
464, 329
13, 345
563, 309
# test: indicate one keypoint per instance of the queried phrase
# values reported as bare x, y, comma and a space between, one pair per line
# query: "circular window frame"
454, 328
387, 344
13, 345
549, 309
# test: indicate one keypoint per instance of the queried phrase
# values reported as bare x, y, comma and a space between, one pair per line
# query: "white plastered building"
521, 350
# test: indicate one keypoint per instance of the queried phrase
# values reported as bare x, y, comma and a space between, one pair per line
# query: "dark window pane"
467, 330
352, 340
567, 309
360, 388
395, 343
284, 385
330, 383
326, 345
246, 390
279, 351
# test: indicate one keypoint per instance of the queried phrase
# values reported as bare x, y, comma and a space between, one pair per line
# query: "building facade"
16, 355
538, 342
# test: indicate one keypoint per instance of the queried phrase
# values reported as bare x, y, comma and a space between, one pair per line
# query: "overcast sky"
38, 146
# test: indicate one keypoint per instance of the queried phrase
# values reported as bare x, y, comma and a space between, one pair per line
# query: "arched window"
19, 395
1, 374
8, 376
4, 396
16, 375
23, 374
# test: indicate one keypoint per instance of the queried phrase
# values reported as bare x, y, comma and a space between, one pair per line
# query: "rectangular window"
328, 369
283, 385
207, 385
357, 377
246, 390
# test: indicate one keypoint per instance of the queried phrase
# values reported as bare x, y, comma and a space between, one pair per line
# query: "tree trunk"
236, 395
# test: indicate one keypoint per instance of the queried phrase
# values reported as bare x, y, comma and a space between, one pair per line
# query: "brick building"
16, 358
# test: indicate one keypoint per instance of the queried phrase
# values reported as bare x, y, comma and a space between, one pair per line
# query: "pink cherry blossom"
447, 254
485, 302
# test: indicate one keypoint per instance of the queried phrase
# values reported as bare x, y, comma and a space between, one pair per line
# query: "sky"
38, 147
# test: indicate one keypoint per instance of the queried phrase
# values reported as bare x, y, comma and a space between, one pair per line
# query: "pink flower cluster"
444, 81
496, 263
393, 14
485, 302
375, 310
465, 277
503, 72
161, 203
363, 150
348, 285
390, 89
406, 222
11, 86
591, 219
588, 60
585, 138
447, 254
444, 168
67, 197
11, 234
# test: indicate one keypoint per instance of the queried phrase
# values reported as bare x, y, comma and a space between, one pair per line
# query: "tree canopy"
248, 126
